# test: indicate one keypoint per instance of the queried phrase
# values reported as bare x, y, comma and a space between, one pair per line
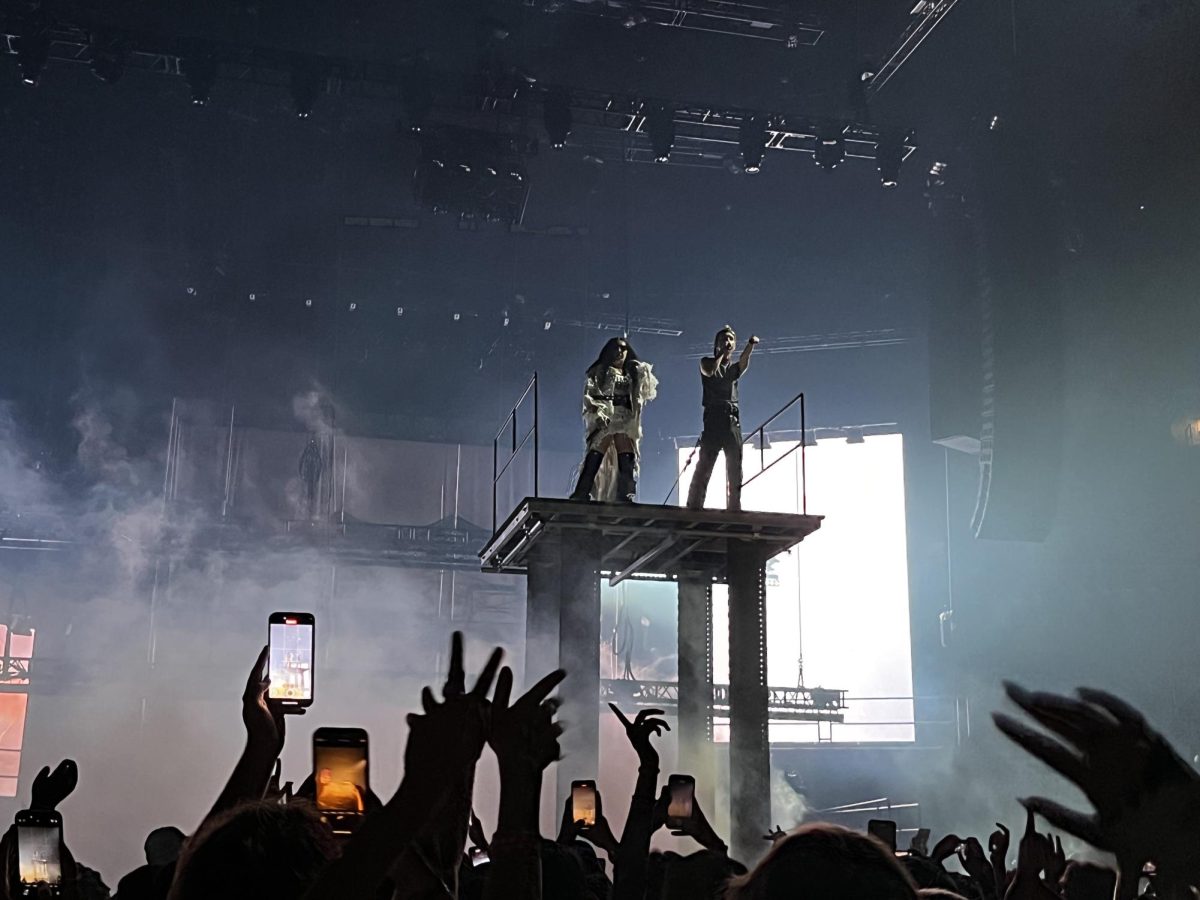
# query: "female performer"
618, 386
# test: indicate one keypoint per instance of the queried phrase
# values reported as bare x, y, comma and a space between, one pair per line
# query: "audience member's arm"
1147, 799
442, 743
629, 868
998, 844
264, 721
524, 737
1027, 881
977, 866
430, 865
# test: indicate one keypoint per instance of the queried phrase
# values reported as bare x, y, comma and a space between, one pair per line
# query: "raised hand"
975, 864
525, 735
1054, 860
697, 827
998, 844
1147, 799
945, 848
775, 834
50, 789
262, 716
599, 834
448, 737
639, 731
475, 833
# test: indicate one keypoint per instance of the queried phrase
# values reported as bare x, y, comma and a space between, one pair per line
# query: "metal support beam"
695, 682
562, 627
644, 560
749, 750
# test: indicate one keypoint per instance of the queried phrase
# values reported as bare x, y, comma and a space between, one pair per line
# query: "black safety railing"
510, 425
760, 434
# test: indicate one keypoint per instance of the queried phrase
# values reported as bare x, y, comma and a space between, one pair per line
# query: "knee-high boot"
626, 481
587, 475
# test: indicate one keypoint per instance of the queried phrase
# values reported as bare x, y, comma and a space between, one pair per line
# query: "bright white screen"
840, 598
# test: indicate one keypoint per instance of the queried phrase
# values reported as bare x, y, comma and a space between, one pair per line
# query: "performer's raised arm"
744, 359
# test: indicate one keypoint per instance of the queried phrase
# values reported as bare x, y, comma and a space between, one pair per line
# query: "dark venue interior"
886, 590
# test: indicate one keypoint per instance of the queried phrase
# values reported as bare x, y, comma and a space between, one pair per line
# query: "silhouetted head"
825, 862
163, 845
257, 851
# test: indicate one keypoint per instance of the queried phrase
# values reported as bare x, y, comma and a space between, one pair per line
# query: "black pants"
722, 432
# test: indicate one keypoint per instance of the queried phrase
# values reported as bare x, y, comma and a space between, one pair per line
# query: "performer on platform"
619, 385
722, 430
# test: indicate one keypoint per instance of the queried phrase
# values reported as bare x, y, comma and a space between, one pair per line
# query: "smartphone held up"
290, 658
682, 790
39, 840
340, 776
583, 803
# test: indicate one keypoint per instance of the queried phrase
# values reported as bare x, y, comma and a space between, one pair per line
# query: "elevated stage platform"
644, 540
563, 547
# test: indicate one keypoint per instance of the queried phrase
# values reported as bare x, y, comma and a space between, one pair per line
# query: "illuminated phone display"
583, 802
290, 660
37, 854
341, 777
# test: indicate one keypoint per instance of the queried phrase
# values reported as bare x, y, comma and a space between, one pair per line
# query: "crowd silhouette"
263, 842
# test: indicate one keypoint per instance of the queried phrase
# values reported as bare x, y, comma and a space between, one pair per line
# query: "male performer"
719, 376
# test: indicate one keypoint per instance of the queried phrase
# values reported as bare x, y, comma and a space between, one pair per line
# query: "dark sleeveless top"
720, 388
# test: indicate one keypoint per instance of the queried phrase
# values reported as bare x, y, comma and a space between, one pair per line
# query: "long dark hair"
609, 353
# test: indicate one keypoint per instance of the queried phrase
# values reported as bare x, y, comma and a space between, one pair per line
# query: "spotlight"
416, 93
634, 19
660, 123
889, 155
353, 306
191, 291
200, 69
830, 150
752, 138
399, 311
556, 116
33, 49
307, 80
108, 56
457, 316
546, 325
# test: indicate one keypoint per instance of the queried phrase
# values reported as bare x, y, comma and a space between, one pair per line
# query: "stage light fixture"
108, 56
33, 49
855, 436
660, 124
752, 139
399, 311
634, 19
353, 306
200, 70
830, 150
556, 116
306, 81
308, 303
546, 325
